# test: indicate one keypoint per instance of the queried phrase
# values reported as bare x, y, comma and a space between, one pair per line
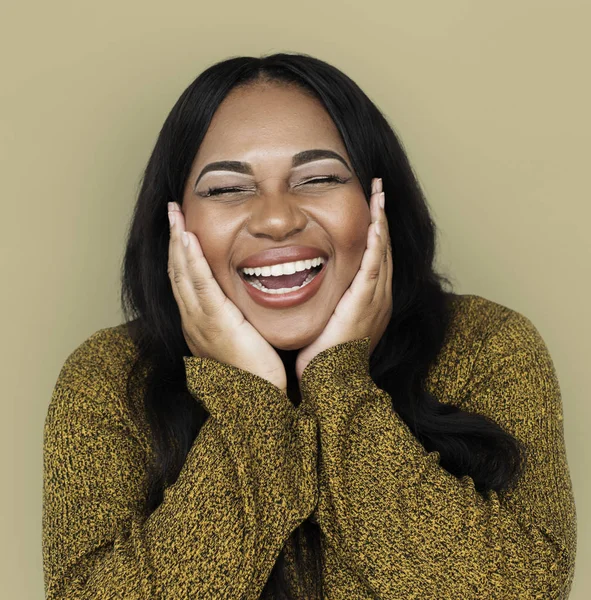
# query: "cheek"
350, 233
215, 243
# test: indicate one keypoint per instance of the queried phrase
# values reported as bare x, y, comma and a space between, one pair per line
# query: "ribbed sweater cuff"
235, 397
337, 379
272, 442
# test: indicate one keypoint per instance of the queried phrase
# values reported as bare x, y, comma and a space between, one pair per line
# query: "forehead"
267, 121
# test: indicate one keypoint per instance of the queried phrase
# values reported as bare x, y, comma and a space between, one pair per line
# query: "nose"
277, 216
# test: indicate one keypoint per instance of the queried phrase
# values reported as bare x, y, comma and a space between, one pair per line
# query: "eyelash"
220, 191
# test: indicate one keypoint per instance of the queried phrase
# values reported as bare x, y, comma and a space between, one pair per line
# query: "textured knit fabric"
395, 524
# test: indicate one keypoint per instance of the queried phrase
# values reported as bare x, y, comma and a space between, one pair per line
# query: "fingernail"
379, 187
171, 206
185, 239
382, 196
171, 219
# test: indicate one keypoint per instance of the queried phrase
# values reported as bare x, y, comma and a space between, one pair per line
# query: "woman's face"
277, 205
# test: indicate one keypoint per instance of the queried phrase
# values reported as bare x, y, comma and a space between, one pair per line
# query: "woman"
371, 434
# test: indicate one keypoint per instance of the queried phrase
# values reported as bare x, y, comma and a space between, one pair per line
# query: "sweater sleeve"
248, 481
405, 526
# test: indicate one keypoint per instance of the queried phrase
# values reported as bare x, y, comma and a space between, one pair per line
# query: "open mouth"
283, 284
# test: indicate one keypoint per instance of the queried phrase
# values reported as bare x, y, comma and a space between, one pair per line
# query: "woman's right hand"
212, 324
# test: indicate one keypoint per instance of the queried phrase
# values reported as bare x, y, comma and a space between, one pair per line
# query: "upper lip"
275, 256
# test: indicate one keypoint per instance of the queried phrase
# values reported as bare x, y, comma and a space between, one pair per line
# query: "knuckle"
373, 274
191, 262
199, 285
177, 277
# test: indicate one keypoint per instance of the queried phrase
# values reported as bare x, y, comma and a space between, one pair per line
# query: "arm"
402, 523
249, 480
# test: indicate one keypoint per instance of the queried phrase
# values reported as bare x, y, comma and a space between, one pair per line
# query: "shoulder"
90, 397
479, 323
481, 335
101, 362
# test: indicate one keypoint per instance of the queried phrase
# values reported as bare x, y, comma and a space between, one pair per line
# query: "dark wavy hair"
468, 443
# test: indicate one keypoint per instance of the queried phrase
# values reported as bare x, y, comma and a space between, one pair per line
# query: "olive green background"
491, 100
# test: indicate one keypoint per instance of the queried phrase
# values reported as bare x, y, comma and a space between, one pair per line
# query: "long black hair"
469, 444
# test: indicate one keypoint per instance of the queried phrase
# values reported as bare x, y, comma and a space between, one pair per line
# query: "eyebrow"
298, 159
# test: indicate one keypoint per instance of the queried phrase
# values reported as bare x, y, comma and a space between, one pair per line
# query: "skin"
265, 124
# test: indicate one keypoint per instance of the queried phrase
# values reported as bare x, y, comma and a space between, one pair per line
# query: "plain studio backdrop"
490, 99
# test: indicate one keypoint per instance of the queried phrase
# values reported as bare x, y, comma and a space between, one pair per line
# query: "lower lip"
288, 299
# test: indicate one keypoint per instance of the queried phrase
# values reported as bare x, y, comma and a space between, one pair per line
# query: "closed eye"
329, 178
218, 191
228, 190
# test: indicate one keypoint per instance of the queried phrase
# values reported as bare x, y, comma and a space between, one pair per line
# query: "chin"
287, 346
293, 342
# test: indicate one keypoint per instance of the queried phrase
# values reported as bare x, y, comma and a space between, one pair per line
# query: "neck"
289, 359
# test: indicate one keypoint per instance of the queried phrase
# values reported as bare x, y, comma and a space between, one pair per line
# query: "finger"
374, 207
175, 259
380, 217
387, 248
381, 247
370, 270
389, 260
196, 285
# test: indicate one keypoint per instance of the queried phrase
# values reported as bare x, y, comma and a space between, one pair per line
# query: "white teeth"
260, 286
284, 268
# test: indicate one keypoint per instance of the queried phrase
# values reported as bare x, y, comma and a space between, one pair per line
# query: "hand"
212, 324
366, 307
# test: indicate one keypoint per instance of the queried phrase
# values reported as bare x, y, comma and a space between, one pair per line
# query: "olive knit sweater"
394, 523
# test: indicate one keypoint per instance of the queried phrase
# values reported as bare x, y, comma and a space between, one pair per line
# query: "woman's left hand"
366, 307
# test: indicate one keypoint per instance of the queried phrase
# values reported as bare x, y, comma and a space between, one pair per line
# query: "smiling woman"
295, 406
297, 204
